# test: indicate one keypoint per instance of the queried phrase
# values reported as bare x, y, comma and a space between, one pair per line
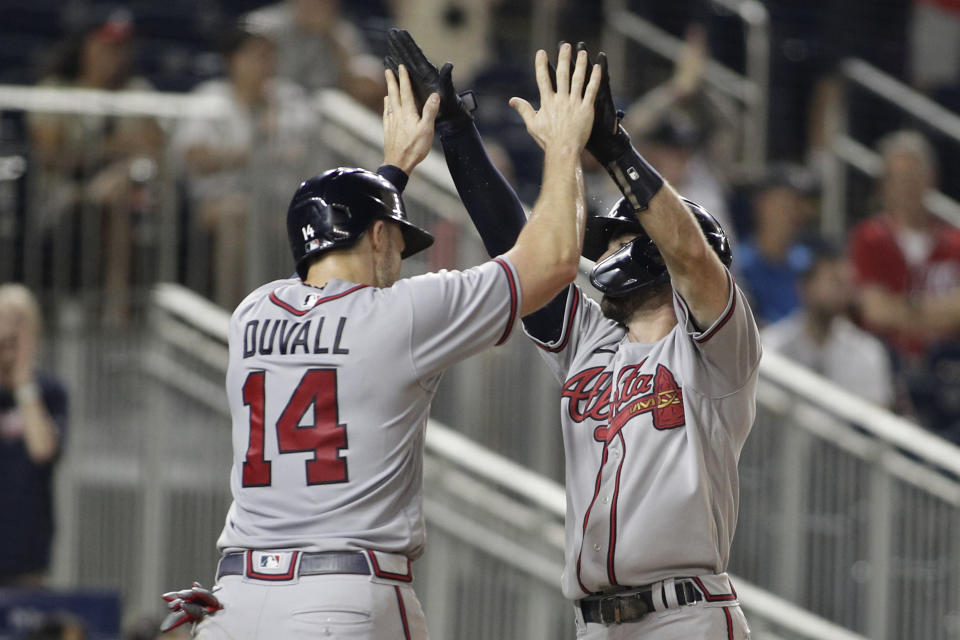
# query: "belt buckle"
610, 610
690, 593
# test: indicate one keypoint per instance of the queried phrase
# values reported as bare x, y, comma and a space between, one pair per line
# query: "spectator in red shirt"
907, 262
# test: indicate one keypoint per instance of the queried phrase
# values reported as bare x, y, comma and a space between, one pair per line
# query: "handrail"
881, 423
869, 162
115, 103
671, 47
459, 449
844, 148
752, 89
194, 308
907, 98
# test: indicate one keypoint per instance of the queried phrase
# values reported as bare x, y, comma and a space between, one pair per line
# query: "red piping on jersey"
402, 577
302, 312
611, 552
726, 612
403, 614
567, 329
513, 300
252, 573
723, 321
586, 517
716, 597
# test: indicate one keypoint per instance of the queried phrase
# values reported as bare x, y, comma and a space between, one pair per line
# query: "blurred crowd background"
864, 289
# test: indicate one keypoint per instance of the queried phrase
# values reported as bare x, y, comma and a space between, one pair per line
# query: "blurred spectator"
95, 161
448, 28
686, 130
318, 48
58, 628
242, 165
809, 40
907, 262
820, 336
674, 147
935, 43
33, 419
771, 260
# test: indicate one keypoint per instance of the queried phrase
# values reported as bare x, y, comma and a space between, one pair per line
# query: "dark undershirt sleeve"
496, 212
394, 175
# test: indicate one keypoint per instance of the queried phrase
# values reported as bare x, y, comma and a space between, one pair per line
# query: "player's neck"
350, 266
651, 325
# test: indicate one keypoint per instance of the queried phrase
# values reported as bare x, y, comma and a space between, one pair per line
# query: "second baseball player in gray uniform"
657, 382
653, 427
331, 375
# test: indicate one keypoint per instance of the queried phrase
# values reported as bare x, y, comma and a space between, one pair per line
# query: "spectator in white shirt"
319, 48
821, 337
240, 167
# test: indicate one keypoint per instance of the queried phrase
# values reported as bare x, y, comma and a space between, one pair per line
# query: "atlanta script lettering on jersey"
588, 395
286, 337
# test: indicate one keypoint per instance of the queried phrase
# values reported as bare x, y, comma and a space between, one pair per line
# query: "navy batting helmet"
333, 209
638, 263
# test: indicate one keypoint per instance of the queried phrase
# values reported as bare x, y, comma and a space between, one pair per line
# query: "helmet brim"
600, 229
415, 239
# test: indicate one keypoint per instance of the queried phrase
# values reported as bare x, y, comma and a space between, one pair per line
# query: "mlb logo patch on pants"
271, 565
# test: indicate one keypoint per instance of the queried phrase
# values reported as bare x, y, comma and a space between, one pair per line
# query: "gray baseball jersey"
652, 434
330, 390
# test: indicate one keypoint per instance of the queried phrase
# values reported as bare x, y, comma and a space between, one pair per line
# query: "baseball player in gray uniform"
657, 382
331, 375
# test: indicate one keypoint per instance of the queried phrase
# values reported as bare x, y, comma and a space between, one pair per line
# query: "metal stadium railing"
750, 90
847, 152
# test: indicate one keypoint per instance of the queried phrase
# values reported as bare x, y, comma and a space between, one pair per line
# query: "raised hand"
26, 354
565, 116
424, 75
607, 142
407, 134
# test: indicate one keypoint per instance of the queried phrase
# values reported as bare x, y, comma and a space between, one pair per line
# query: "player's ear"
378, 235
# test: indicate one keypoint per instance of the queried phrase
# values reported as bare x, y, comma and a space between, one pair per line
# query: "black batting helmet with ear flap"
333, 209
638, 263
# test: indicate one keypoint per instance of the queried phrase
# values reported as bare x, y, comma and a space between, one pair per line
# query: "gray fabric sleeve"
584, 327
459, 313
728, 351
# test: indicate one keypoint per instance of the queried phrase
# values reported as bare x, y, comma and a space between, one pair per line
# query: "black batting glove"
608, 140
425, 77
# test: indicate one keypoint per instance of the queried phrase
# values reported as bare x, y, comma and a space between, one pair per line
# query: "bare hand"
407, 135
688, 72
23, 366
565, 116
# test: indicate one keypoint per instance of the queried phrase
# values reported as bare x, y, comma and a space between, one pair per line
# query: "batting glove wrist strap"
460, 119
610, 147
637, 180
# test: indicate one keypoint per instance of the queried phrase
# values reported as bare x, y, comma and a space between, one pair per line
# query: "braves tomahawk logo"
590, 394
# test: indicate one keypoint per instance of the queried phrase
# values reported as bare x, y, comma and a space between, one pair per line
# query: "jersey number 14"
322, 435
